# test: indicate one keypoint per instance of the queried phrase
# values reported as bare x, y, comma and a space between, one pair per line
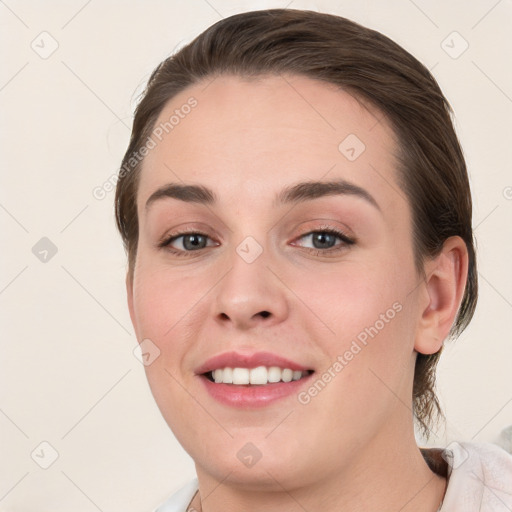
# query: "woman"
297, 216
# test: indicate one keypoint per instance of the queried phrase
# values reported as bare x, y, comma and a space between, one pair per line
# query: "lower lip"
247, 396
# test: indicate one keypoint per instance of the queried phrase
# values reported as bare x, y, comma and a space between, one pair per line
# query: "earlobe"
445, 281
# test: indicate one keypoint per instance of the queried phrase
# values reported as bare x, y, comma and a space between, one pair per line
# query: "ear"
129, 296
445, 281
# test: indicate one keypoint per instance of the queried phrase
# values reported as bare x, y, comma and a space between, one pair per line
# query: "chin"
255, 461
267, 474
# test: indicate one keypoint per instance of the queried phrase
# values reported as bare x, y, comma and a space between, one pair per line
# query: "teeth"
227, 375
287, 375
274, 374
240, 375
256, 376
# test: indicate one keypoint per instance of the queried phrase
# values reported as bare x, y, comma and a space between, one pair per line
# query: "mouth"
254, 380
259, 376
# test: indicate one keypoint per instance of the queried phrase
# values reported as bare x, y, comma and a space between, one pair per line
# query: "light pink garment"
480, 478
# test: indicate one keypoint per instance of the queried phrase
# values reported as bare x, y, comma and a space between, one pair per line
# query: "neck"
391, 474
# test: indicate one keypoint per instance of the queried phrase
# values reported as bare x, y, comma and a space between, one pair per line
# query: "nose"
250, 294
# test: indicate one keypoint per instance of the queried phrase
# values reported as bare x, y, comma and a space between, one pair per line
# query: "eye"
190, 242
324, 241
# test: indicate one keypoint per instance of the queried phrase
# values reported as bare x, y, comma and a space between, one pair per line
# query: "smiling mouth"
259, 376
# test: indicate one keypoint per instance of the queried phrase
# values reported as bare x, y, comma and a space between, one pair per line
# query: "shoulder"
179, 501
479, 478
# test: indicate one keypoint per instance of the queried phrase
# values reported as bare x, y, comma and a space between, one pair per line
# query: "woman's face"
263, 284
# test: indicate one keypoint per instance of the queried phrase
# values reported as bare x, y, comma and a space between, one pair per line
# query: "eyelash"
346, 241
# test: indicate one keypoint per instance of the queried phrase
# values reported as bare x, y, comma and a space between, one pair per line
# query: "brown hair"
431, 172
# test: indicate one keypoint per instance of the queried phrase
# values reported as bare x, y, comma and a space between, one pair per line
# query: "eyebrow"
303, 191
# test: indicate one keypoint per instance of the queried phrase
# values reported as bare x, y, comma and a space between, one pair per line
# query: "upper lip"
238, 360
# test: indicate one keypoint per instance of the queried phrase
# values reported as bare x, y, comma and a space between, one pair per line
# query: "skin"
352, 447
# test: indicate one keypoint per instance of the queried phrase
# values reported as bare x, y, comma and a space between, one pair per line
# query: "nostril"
264, 314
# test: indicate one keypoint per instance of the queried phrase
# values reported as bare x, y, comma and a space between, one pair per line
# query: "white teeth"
217, 376
256, 376
227, 375
274, 374
287, 375
240, 376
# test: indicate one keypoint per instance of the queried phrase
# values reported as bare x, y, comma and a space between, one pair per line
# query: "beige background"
68, 376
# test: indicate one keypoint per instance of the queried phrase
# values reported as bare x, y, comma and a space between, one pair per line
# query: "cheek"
166, 307
170, 309
162, 298
369, 314
353, 296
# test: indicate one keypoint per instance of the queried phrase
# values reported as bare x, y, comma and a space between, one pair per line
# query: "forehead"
259, 135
